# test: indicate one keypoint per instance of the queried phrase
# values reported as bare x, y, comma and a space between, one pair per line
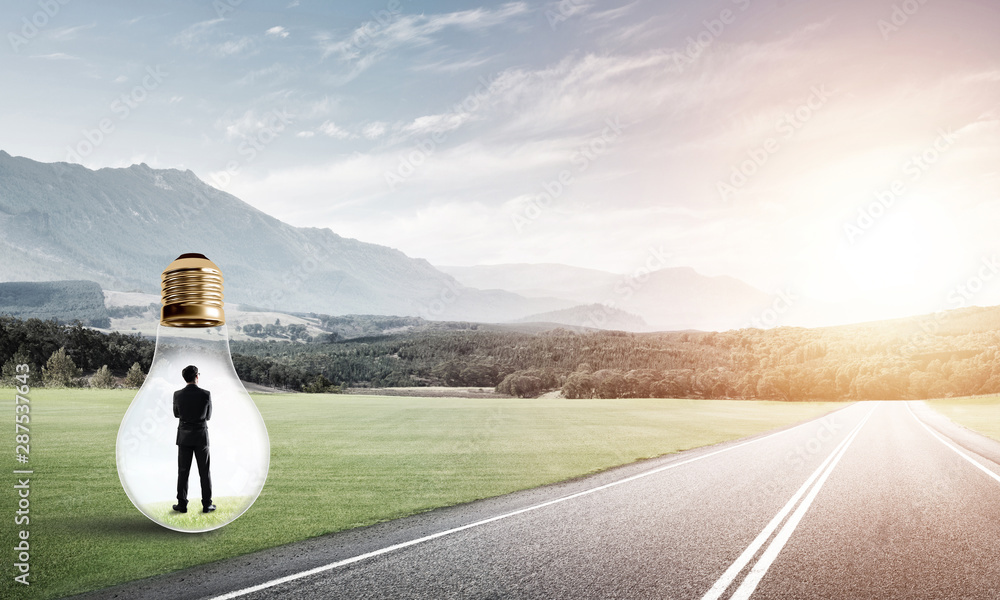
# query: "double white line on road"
400, 546
809, 489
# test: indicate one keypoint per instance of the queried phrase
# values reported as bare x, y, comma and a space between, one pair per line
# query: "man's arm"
177, 412
208, 403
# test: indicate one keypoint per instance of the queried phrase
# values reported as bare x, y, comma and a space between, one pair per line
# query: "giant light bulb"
192, 331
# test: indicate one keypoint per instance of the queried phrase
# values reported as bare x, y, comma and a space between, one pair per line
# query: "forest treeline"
73, 355
898, 361
948, 354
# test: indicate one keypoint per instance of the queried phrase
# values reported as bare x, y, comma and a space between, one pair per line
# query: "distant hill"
65, 301
121, 227
583, 286
667, 299
134, 312
593, 316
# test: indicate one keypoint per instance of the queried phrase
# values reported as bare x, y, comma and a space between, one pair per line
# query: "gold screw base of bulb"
192, 293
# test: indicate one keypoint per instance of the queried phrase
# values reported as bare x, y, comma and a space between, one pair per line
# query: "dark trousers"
184, 471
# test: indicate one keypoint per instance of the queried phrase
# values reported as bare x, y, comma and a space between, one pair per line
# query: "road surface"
877, 500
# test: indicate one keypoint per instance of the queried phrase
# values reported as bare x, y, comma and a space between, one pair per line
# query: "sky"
844, 151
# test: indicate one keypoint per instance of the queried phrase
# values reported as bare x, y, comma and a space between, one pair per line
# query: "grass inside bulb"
192, 331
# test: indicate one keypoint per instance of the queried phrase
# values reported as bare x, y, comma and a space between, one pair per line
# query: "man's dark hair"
189, 373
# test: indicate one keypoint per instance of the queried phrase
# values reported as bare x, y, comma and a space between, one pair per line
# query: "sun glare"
891, 253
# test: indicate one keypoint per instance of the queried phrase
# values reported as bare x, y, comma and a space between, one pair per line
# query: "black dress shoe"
208, 508
180, 509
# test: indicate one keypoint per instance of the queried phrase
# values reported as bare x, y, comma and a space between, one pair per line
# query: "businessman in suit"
193, 406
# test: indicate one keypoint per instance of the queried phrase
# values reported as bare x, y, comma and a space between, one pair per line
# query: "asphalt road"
877, 500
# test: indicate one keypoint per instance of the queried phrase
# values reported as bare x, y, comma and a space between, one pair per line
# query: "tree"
135, 377
297, 332
9, 371
579, 385
59, 370
321, 385
773, 385
610, 384
522, 384
526, 386
103, 378
639, 383
480, 374
449, 373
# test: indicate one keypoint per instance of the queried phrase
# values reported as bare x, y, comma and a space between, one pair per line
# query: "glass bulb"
192, 331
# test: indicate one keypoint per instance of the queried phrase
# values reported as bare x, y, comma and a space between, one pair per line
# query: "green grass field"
979, 413
193, 519
337, 461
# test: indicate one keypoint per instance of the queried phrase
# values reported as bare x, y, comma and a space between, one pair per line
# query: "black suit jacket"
193, 406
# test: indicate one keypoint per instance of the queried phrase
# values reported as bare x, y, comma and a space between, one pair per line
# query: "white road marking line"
947, 443
759, 569
734, 569
400, 546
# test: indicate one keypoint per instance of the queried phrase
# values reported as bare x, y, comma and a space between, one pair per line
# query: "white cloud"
442, 123
329, 128
462, 112
193, 34
121, 79
67, 33
374, 130
305, 134
134, 20
274, 73
56, 56
431, 231
234, 46
277, 32
251, 124
320, 108
451, 67
559, 11
317, 190
205, 36
478, 18
612, 13
372, 40
576, 94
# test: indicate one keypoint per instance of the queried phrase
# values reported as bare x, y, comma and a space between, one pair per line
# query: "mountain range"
666, 299
120, 227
